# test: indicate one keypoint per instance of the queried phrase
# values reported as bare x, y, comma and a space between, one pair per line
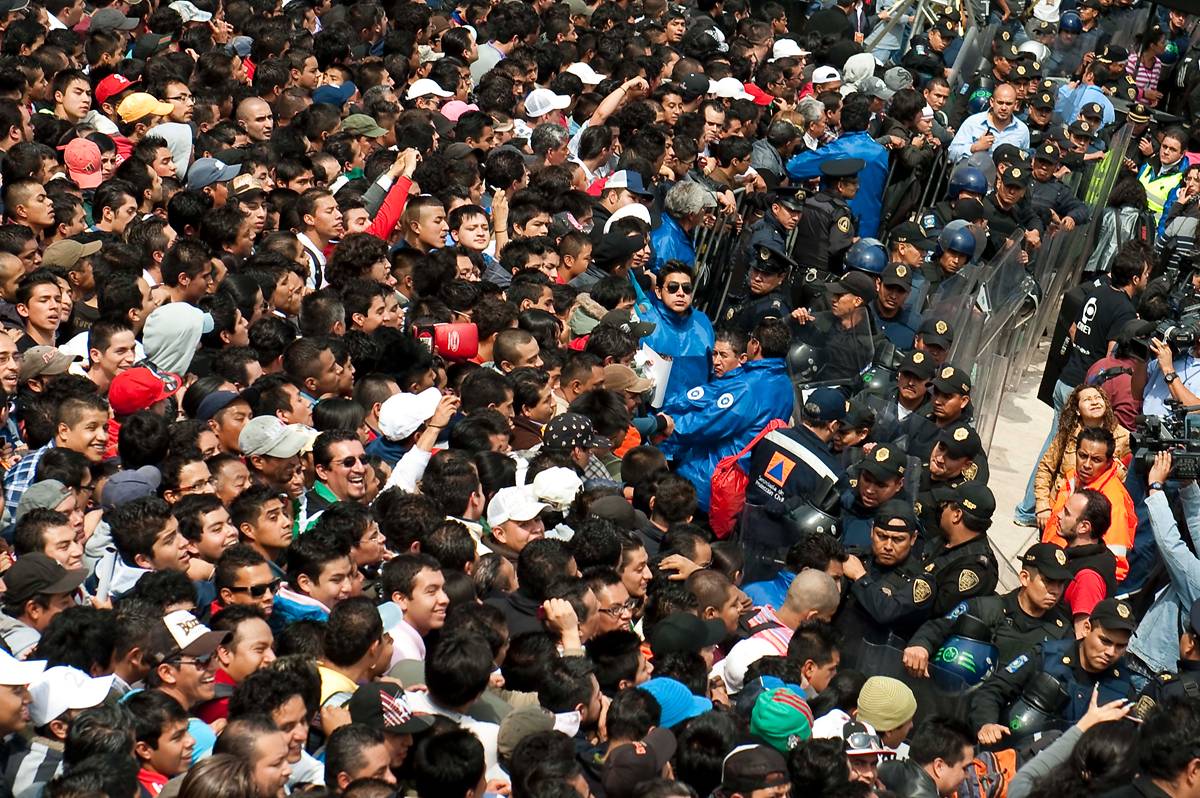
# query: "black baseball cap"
1007, 50
936, 332
911, 233
857, 283
897, 516
886, 461
1082, 127
1049, 560
960, 441
858, 415
1015, 176
381, 706
974, 498
682, 632
917, 363
897, 275
1009, 154
1114, 614
753, 767
952, 379
1047, 152
38, 575
1043, 101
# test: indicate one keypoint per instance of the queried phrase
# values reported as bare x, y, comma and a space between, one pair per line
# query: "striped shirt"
776, 633
1144, 77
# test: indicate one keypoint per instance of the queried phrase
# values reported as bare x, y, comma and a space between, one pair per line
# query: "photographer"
1171, 376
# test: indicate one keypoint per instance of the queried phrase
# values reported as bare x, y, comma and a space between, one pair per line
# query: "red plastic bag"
728, 485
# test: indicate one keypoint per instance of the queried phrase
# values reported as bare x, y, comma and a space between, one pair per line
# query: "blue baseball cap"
334, 95
677, 702
206, 171
825, 404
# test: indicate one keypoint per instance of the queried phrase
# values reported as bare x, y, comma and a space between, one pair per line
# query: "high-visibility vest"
1157, 188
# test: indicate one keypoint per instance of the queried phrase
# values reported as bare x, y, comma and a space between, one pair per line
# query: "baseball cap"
456, 108
898, 78
82, 158
859, 415
617, 510
1082, 127
896, 515
37, 575
825, 404
130, 485
270, 437
111, 19
623, 319
861, 740
381, 706
781, 718
857, 283
63, 688
149, 44
619, 377
936, 332
332, 94
1047, 152
753, 767
140, 105
911, 233
19, 672
206, 171
190, 12
731, 89
140, 387
682, 632
363, 125
513, 504
897, 275
112, 85
46, 494
246, 186
9, 6
952, 380
584, 72
630, 764
1016, 177
214, 403
696, 84
1114, 614
629, 180
675, 700
179, 634
886, 461
540, 102
522, 722
875, 87
946, 28
44, 361
1043, 101
424, 88
402, 414
825, 74
960, 441
916, 363
557, 487
1049, 560
975, 499
568, 431
787, 48
65, 253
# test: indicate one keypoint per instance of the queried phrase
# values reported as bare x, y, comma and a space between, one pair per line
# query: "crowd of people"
561, 399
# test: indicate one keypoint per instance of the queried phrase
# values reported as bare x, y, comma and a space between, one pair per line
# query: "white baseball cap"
62, 688
542, 101
425, 87
190, 12
825, 74
514, 504
731, 89
584, 72
787, 48
402, 414
18, 673
557, 487
270, 437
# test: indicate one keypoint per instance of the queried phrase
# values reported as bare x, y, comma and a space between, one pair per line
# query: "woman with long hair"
1176, 242
1087, 406
1127, 202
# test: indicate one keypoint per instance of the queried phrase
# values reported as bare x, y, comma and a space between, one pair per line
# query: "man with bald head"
987, 130
255, 119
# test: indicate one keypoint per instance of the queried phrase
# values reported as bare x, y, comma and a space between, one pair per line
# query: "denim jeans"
1025, 510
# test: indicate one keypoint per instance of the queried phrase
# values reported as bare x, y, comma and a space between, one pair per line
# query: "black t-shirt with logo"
1104, 312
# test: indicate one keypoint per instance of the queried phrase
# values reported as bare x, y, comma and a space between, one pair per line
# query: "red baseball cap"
111, 85
760, 96
82, 158
139, 388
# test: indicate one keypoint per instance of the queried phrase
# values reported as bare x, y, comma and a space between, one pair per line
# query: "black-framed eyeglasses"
258, 591
618, 610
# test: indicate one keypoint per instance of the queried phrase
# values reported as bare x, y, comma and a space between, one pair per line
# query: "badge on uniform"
967, 579
1017, 664
970, 472
695, 393
918, 357
921, 591
843, 224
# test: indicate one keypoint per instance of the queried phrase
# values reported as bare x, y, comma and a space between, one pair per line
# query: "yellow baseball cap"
140, 105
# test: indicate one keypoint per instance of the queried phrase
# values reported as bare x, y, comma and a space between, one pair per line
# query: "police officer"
1039, 113
961, 559
1006, 213
891, 311
778, 221
878, 479
955, 249
1093, 662
890, 595
855, 429
908, 395
950, 407
788, 468
844, 332
768, 269
926, 56
1186, 680
827, 227
1018, 621
1052, 201
957, 457
935, 336
965, 181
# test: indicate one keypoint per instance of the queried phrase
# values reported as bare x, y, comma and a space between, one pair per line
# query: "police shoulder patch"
696, 393
928, 221
921, 591
1017, 664
843, 224
967, 579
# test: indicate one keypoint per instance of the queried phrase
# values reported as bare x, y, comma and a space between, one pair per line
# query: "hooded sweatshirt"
178, 137
859, 66
172, 333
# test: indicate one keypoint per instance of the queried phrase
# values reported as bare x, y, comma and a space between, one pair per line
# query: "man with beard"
1084, 520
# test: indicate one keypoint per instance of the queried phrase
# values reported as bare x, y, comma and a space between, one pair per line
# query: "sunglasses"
675, 288
199, 662
351, 461
257, 591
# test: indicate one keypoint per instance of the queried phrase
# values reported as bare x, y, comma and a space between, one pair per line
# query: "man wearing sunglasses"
341, 465
681, 332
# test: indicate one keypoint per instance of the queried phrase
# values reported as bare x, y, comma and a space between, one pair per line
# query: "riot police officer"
951, 406
1018, 621
935, 336
1186, 681
1039, 117
889, 594
908, 395
768, 268
827, 227
1006, 213
780, 218
1093, 662
955, 249
878, 479
957, 457
1050, 197
893, 315
961, 559
926, 56
844, 332
965, 181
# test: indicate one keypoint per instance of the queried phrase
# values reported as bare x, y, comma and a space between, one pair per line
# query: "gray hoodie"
172, 333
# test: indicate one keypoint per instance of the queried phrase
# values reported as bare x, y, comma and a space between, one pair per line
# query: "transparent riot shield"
1008, 289
987, 391
883, 658
828, 351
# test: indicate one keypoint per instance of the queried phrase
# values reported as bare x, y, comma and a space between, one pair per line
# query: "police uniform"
959, 441
1003, 222
745, 316
847, 351
1061, 660
1052, 194
922, 60
769, 231
889, 602
827, 228
889, 414
922, 432
885, 462
967, 569
1038, 134
1013, 631
901, 328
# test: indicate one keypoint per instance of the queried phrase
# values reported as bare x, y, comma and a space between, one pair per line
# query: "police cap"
897, 275
1047, 152
1083, 127
950, 379
1009, 154
769, 260
936, 332
1095, 5
946, 28
1007, 50
842, 167
857, 283
960, 441
859, 416
1016, 177
911, 233
885, 461
1049, 560
975, 498
969, 209
896, 516
1043, 101
1113, 54
1114, 614
825, 404
790, 197
1139, 114
917, 363
1092, 111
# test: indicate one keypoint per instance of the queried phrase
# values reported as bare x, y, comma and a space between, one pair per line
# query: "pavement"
1020, 431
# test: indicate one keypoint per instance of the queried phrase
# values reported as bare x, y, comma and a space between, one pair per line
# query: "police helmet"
967, 178
1170, 55
1039, 51
1038, 708
866, 255
960, 240
1070, 22
808, 519
804, 362
966, 658
979, 101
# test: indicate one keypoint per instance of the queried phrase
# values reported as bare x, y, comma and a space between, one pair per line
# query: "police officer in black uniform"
935, 336
768, 269
827, 227
1186, 679
951, 406
894, 316
957, 457
1049, 196
926, 56
960, 558
1095, 661
844, 332
780, 218
908, 394
876, 480
1018, 621
889, 595
1005, 211
1039, 113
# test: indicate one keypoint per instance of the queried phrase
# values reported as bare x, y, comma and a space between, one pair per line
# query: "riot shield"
882, 658
715, 249
826, 353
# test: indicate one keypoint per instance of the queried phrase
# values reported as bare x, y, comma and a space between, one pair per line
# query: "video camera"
1179, 334
1178, 432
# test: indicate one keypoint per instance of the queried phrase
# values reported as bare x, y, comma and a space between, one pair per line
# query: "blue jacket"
770, 593
671, 242
723, 416
687, 339
868, 202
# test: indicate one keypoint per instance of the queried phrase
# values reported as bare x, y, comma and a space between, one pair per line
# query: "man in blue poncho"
681, 332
